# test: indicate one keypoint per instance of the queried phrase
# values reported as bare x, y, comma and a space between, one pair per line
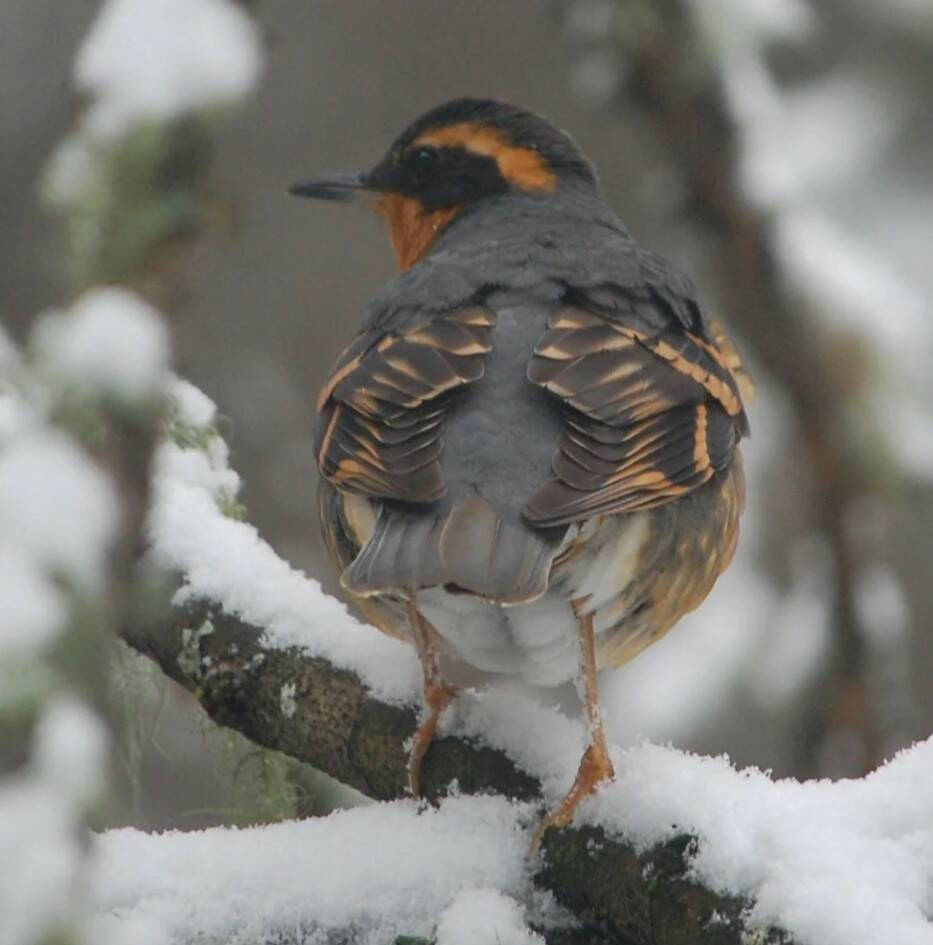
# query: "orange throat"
412, 229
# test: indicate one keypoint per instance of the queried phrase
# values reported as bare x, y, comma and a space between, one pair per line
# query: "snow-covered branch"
266, 653
679, 849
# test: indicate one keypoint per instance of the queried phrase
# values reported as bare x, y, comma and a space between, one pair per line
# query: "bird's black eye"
422, 162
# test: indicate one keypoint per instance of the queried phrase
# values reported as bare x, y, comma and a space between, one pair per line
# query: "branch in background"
130, 186
672, 77
128, 183
325, 716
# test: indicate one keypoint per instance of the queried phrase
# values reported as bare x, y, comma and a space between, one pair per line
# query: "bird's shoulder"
542, 251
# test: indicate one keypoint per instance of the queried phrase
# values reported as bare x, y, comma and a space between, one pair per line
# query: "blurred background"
780, 152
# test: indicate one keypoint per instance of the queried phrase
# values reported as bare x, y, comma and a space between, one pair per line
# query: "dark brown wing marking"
383, 408
648, 418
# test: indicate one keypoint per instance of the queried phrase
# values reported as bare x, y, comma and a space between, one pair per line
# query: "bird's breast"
412, 229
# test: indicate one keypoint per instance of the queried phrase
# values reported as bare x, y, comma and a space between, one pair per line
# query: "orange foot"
595, 768
437, 696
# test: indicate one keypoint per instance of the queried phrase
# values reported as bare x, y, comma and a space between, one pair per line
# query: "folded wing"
647, 418
383, 409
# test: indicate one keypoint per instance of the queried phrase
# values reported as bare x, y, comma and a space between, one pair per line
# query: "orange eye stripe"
523, 167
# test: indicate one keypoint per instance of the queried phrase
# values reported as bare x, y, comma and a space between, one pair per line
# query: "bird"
529, 452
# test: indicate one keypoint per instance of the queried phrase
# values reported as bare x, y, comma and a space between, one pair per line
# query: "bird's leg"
438, 693
595, 765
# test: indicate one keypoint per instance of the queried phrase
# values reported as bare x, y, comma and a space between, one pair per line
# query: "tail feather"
470, 547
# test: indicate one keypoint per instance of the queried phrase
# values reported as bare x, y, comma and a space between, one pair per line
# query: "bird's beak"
340, 187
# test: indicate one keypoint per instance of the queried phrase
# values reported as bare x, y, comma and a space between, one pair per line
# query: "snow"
143, 61
17, 413
859, 292
734, 27
851, 285
33, 610
150, 61
226, 560
539, 740
484, 916
192, 406
72, 169
378, 871
799, 632
14, 416
288, 705
42, 870
58, 515
791, 140
42, 806
109, 343
157, 59
57, 509
911, 438
835, 863
41, 858
884, 614
70, 747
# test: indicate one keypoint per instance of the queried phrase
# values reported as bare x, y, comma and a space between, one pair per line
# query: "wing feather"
383, 408
647, 418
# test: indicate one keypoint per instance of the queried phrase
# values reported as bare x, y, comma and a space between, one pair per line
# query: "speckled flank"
678, 567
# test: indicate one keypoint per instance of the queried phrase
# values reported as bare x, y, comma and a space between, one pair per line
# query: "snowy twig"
80, 415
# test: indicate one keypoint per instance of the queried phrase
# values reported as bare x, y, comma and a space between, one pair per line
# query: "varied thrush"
529, 452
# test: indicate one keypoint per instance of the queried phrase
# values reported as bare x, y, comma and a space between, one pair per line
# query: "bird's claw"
595, 768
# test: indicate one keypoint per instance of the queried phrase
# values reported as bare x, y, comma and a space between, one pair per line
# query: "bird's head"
456, 155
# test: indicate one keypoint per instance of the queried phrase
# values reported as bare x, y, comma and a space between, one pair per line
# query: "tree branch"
691, 113
325, 716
